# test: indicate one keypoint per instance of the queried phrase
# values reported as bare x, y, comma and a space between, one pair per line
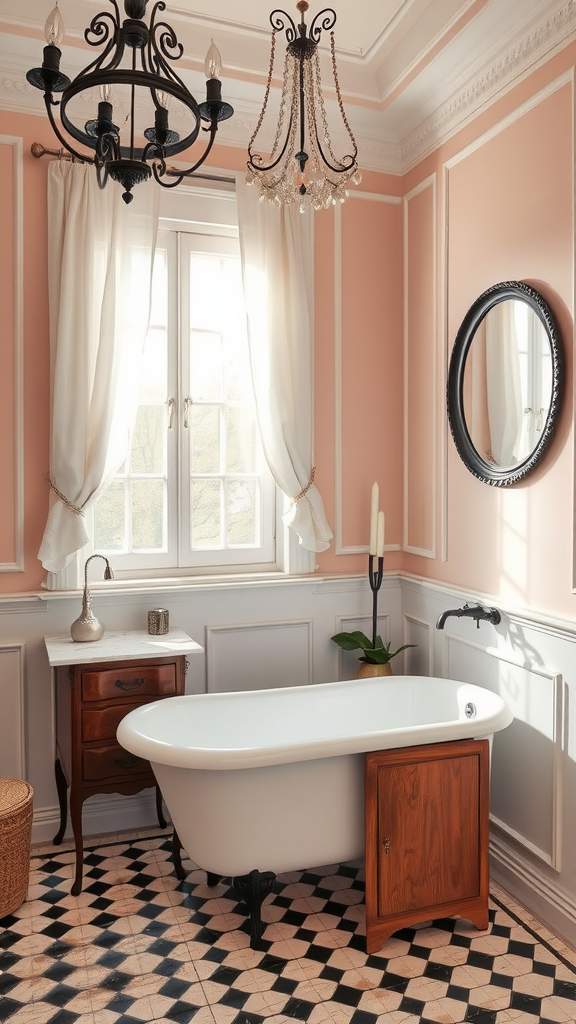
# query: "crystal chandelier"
302, 165
136, 84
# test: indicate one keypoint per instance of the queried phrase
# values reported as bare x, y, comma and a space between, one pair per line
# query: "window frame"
206, 219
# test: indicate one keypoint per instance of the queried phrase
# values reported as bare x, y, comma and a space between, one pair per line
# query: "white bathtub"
273, 780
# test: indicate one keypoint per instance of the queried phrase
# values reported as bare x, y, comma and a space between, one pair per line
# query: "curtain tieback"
70, 504
307, 488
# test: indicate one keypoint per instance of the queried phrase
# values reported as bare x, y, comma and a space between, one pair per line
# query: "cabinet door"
428, 833
426, 836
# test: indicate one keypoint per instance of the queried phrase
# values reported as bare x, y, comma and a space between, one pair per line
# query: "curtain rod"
38, 150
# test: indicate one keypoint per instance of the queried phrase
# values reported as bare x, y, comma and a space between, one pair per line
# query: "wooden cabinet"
91, 699
426, 836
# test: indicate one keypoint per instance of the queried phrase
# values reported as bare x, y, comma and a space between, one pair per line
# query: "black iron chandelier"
136, 84
302, 166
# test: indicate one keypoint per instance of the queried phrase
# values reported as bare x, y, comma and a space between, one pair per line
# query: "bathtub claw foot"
253, 889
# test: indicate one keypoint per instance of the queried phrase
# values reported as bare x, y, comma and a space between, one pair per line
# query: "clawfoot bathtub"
267, 781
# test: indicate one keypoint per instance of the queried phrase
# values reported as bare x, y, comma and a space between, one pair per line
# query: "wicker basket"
15, 830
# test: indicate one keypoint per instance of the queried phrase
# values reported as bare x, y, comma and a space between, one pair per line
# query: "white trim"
18, 328
338, 548
530, 879
428, 182
443, 340
516, 114
376, 197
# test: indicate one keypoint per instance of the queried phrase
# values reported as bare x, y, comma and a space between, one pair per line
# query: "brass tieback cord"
70, 504
307, 488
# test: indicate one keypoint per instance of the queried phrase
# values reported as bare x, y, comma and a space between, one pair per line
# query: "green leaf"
378, 655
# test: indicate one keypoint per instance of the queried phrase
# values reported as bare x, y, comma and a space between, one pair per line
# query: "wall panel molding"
12, 719
13, 435
511, 860
340, 548
528, 755
413, 335
420, 660
254, 655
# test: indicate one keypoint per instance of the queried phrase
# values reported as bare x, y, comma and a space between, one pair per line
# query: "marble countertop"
127, 645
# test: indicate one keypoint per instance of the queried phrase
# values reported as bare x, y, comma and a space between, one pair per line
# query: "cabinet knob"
130, 684
386, 845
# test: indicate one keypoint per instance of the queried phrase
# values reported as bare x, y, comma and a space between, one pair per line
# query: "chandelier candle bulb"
374, 519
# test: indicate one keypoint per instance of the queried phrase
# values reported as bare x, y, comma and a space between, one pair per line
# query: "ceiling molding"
505, 68
391, 139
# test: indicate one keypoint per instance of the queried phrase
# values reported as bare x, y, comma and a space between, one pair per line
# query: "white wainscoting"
258, 655
12, 744
526, 757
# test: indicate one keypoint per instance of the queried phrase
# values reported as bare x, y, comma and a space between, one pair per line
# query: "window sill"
183, 584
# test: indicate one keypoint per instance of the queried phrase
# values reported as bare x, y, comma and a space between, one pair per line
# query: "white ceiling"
411, 71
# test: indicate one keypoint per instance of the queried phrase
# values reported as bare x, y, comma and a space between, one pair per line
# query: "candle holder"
375, 580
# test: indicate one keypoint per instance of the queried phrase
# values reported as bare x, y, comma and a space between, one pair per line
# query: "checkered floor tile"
139, 946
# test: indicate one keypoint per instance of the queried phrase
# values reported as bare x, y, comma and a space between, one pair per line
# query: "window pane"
110, 520
148, 443
204, 439
205, 504
148, 516
159, 298
240, 441
241, 512
205, 366
207, 295
153, 386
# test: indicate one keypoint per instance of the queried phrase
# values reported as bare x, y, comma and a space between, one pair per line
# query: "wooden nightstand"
96, 684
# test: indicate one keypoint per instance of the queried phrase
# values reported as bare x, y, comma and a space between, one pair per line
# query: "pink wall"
508, 202
393, 281
371, 312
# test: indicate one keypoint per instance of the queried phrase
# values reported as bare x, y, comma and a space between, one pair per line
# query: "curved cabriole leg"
159, 812
76, 819
62, 788
177, 860
253, 889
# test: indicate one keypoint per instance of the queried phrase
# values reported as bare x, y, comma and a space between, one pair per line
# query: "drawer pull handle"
131, 684
386, 845
127, 762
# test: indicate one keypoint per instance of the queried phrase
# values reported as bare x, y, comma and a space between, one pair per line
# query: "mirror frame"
455, 386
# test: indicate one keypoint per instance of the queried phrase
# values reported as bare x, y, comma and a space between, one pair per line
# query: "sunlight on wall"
514, 544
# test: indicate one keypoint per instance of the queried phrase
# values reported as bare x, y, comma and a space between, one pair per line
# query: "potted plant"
376, 656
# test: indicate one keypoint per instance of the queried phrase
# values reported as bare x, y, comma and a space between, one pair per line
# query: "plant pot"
366, 671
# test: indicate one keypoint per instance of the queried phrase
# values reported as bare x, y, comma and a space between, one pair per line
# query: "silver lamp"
87, 627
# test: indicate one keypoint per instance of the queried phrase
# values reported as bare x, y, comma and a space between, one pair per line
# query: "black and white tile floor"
138, 946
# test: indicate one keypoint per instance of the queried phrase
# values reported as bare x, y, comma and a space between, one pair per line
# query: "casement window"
194, 494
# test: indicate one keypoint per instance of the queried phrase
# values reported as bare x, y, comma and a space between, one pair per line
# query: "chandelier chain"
338, 93
267, 93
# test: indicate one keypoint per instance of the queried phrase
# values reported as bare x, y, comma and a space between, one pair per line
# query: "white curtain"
276, 245
505, 409
100, 256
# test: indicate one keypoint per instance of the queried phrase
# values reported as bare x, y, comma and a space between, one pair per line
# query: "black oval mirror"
505, 383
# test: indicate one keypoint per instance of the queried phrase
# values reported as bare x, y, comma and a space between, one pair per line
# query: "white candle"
374, 518
380, 537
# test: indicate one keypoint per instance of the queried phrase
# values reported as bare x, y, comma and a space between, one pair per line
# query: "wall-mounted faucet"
471, 611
